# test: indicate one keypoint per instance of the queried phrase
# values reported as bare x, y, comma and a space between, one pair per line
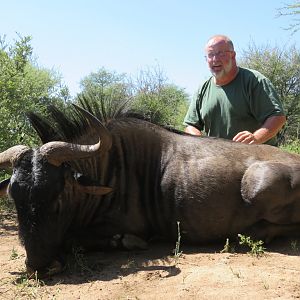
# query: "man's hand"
269, 129
245, 137
192, 130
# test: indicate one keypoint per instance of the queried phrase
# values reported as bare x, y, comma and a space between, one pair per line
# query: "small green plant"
29, 287
14, 254
177, 252
256, 247
228, 248
295, 245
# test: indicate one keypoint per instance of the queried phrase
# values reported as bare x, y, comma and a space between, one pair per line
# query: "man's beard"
223, 72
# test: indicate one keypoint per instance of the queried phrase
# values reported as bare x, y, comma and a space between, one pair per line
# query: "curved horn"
9, 156
58, 152
104, 134
3, 187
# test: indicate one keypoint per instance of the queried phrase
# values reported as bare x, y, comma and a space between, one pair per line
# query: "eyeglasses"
220, 54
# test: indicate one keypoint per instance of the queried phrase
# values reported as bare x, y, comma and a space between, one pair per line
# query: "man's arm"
268, 130
192, 130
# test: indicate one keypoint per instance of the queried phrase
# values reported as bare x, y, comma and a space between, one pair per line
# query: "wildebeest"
125, 181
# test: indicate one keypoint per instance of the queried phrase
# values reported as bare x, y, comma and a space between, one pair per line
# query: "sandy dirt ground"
198, 273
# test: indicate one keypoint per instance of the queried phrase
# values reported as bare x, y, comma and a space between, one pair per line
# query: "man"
235, 103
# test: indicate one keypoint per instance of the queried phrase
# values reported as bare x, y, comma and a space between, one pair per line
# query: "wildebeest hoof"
54, 268
130, 242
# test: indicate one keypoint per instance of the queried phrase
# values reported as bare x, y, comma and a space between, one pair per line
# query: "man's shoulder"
204, 85
251, 73
205, 82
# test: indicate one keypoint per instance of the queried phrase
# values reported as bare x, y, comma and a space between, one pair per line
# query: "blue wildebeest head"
40, 183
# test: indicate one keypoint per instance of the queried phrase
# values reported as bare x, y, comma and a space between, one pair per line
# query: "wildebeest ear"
3, 187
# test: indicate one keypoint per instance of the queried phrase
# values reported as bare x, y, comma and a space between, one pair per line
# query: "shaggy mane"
68, 124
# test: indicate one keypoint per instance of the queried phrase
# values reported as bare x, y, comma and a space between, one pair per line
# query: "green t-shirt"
243, 104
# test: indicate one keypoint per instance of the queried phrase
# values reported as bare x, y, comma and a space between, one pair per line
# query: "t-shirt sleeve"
192, 116
265, 101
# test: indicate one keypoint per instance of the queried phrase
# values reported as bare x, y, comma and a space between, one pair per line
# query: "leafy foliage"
159, 101
24, 86
106, 83
148, 94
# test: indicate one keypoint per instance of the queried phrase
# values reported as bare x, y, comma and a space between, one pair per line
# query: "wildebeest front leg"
89, 241
272, 190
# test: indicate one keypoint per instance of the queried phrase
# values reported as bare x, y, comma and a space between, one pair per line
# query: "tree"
24, 86
159, 101
282, 67
291, 10
149, 94
106, 83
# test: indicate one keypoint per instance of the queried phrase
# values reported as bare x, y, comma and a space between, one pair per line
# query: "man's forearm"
269, 129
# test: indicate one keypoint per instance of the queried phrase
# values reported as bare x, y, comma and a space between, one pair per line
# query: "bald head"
220, 39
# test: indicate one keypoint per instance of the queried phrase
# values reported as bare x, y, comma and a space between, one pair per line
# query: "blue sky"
77, 37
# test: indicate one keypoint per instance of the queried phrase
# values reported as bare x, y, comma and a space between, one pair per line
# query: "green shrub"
293, 146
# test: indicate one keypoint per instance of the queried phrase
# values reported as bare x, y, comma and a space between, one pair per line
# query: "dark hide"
215, 188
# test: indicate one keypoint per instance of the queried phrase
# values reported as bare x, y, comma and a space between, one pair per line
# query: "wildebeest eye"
84, 180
